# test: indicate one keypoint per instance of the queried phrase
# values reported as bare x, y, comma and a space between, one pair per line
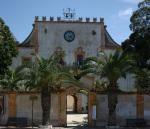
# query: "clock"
69, 36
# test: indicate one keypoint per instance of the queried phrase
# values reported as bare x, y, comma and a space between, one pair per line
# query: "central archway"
76, 107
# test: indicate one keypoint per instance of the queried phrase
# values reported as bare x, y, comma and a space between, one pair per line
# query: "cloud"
132, 1
125, 13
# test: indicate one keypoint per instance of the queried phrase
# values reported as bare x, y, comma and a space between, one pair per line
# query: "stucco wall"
128, 83
22, 52
24, 108
101, 110
126, 109
84, 102
55, 38
147, 108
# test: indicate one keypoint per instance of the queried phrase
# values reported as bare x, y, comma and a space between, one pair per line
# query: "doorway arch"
71, 104
76, 107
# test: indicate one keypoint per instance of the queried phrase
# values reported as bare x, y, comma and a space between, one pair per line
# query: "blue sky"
19, 14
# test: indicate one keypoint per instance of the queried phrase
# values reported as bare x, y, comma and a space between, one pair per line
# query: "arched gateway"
80, 112
76, 104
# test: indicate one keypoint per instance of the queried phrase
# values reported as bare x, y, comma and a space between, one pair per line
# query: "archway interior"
77, 109
71, 104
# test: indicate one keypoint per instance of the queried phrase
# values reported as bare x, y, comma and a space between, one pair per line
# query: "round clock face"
69, 36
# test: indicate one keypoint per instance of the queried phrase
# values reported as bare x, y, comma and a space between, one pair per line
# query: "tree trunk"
46, 104
112, 103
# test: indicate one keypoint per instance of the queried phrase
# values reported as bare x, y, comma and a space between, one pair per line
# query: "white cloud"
125, 13
132, 1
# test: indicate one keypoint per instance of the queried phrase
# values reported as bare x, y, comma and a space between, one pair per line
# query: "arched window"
26, 60
80, 59
59, 53
80, 54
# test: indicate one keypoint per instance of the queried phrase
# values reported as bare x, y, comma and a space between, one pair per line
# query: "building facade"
78, 39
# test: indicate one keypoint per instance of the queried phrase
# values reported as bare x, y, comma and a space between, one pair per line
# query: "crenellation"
51, 18
94, 19
87, 19
36, 18
43, 18
80, 19
58, 18
101, 20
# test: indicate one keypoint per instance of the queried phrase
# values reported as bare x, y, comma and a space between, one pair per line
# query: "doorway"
71, 104
77, 109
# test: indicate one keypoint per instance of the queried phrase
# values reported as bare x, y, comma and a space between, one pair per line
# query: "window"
26, 60
80, 54
59, 53
79, 60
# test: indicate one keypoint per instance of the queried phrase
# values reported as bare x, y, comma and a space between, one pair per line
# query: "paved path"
74, 127
77, 127
76, 119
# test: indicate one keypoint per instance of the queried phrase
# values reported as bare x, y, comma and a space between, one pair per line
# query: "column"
12, 105
140, 105
91, 102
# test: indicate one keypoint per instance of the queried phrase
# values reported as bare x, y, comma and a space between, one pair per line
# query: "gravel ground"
75, 121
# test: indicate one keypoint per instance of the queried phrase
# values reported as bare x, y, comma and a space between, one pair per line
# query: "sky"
19, 14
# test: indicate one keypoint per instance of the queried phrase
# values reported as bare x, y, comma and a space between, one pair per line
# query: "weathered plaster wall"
126, 108
24, 108
102, 110
84, 102
128, 83
55, 38
147, 108
22, 52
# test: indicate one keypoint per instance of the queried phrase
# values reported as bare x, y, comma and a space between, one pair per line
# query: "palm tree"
109, 68
47, 75
13, 80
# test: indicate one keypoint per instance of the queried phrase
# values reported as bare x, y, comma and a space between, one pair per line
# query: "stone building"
78, 39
